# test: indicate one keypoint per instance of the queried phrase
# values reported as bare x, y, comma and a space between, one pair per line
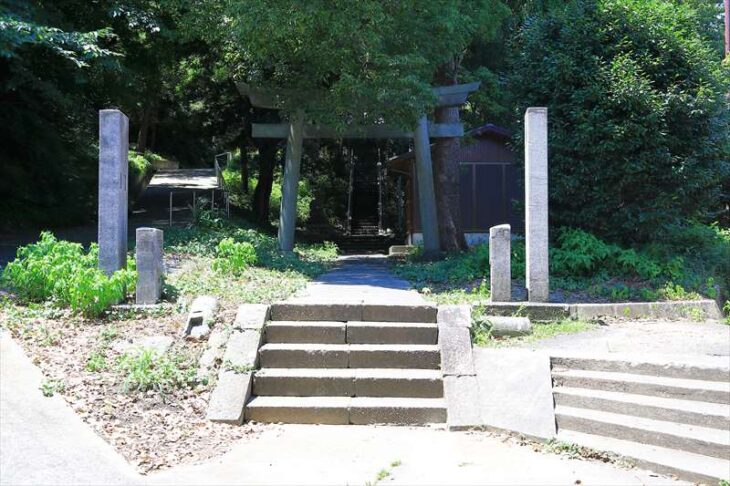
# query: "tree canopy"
344, 62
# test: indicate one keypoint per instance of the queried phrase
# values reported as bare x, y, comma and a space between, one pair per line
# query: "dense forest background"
637, 93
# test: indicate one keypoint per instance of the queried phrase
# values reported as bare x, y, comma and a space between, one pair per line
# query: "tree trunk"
244, 167
446, 172
262, 193
144, 128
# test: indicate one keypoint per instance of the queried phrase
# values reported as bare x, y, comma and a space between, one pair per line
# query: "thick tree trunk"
244, 167
446, 173
262, 193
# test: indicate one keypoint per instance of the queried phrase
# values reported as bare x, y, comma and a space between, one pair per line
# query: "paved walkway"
42, 440
360, 279
668, 338
327, 454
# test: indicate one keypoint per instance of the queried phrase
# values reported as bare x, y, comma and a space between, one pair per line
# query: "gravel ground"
153, 430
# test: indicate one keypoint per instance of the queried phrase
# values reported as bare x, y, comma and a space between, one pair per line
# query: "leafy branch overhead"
77, 47
344, 62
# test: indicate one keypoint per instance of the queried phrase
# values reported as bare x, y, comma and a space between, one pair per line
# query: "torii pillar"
426, 192
290, 183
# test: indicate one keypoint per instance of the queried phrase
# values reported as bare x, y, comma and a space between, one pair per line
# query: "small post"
148, 254
536, 204
500, 273
290, 184
170, 208
113, 189
426, 192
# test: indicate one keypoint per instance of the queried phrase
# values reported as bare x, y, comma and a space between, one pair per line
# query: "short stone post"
500, 273
536, 204
113, 187
149, 265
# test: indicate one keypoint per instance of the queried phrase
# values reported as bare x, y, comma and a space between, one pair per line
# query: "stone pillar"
290, 184
500, 273
426, 193
536, 204
149, 265
113, 171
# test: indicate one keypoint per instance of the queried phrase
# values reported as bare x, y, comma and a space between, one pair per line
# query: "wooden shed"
488, 185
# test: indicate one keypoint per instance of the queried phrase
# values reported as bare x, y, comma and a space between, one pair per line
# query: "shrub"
232, 184
145, 369
234, 257
63, 272
638, 128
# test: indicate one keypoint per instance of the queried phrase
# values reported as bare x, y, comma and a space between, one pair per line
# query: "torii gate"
295, 131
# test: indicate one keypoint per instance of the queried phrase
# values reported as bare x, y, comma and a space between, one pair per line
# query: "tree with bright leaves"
345, 63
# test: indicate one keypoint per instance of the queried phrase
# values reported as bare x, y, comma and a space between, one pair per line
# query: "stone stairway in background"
349, 364
669, 418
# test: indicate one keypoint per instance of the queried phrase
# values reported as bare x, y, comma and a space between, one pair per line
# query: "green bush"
145, 369
232, 183
639, 130
63, 272
581, 254
234, 257
139, 164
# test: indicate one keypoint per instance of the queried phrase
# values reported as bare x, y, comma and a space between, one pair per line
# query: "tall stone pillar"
426, 193
113, 188
148, 254
290, 184
536, 204
500, 272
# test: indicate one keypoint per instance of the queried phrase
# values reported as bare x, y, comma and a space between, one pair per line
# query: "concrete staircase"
349, 365
670, 418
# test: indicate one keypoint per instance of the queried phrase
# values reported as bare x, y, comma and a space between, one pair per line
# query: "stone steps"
681, 411
690, 438
344, 363
705, 368
659, 386
331, 332
672, 417
686, 465
303, 355
349, 382
346, 410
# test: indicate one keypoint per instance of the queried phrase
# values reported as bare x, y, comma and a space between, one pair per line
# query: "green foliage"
234, 257
581, 254
96, 362
639, 131
339, 60
273, 276
145, 369
51, 387
66, 274
482, 336
232, 183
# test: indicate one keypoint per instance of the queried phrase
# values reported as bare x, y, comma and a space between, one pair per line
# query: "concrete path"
326, 454
672, 338
42, 440
360, 279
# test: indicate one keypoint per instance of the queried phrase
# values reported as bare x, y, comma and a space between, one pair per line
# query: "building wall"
489, 189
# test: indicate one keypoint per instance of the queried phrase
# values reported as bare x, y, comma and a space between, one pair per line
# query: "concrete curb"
461, 389
680, 309
235, 376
